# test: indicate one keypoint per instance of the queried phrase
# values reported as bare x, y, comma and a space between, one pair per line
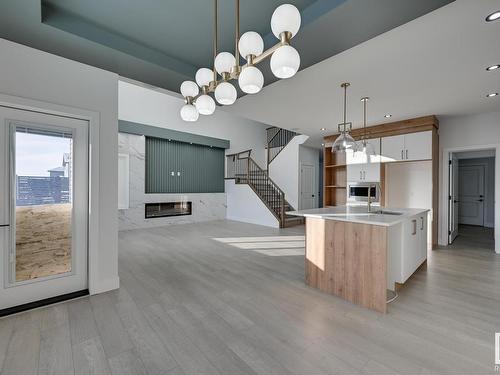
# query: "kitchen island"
359, 255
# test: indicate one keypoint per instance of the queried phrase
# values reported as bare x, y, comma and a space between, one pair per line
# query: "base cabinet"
407, 249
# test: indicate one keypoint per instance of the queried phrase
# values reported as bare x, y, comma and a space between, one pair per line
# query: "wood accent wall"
348, 260
332, 196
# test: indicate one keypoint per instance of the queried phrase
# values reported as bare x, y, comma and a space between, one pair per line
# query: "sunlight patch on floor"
260, 239
271, 246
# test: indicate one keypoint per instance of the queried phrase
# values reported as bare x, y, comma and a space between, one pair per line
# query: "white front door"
43, 206
453, 200
471, 195
307, 187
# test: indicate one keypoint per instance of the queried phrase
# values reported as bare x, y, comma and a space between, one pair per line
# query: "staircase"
277, 139
244, 170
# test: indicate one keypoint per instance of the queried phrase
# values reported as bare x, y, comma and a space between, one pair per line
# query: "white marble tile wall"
205, 206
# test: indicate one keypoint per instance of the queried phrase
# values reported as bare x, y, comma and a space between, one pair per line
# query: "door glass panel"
43, 203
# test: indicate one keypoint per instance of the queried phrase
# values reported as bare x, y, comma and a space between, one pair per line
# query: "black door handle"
4, 225
312, 195
480, 200
455, 201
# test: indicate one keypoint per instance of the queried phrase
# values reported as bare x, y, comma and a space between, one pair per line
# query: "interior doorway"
471, 200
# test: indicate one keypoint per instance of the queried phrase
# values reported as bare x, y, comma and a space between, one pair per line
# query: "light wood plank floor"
237, 304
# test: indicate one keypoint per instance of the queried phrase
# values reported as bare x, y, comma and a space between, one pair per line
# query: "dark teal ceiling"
162, 42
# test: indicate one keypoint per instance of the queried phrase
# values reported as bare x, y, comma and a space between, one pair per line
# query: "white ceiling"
432, 65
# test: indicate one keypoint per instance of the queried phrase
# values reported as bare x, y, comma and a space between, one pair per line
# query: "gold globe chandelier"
285, 62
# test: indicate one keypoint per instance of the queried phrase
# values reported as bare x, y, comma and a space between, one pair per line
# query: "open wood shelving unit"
335, 193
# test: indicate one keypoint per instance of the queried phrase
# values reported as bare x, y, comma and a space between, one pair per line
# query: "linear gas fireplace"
155, 210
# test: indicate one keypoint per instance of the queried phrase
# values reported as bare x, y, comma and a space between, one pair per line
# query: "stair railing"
244, 170
277, 139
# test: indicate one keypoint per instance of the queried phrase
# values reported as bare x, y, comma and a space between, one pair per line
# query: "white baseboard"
105, 285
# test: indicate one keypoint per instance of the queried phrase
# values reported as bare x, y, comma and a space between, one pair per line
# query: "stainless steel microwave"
358, 191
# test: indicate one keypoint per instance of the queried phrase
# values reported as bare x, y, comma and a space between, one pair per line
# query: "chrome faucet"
370, 196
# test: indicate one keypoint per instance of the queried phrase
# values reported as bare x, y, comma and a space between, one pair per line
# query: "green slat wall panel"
201, 168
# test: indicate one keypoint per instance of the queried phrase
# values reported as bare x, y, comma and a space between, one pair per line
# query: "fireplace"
166, 209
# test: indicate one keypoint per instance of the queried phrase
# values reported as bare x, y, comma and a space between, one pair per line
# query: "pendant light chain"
215, 35
237, 31
345, 104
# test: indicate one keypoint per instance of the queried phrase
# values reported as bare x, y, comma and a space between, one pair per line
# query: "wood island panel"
348, 260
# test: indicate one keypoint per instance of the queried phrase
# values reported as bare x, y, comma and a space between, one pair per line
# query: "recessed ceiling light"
493, 16
323, 129
388, 116
493, 67
492, 95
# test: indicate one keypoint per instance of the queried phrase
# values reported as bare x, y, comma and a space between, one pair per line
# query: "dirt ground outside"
43, 240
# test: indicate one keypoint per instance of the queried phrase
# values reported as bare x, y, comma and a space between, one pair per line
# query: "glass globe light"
286, 17
285, 62
205, 105
224, 61
343, 143
204, 76
366, 150
251, 80
250, 43
189, 113
189, 88
225, 93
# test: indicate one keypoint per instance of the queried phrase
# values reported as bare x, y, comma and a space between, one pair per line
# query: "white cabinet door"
371, 172
393, 148
411, 253
354, 161
360, 169
422, 240
418, 146
355, 172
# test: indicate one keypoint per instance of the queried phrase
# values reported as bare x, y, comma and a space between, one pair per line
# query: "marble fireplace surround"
205, 206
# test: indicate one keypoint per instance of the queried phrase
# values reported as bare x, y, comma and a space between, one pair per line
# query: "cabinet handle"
402, 155
421, 223
406, 154
360, 175
364, 175
414, 221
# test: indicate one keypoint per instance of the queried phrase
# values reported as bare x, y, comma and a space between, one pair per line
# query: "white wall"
310, 156
59, 85
467, 133
161, 108
244, 205
489, 186
284, 170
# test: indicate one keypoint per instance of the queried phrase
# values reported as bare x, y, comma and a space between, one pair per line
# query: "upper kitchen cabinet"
361, 169
393, 148
407, 147
418, 146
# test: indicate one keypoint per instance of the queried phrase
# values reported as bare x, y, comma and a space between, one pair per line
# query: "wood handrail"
241, 152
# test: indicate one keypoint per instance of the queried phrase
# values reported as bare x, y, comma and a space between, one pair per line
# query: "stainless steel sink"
384, 212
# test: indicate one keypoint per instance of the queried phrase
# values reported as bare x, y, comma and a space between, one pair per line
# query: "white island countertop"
361, 215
